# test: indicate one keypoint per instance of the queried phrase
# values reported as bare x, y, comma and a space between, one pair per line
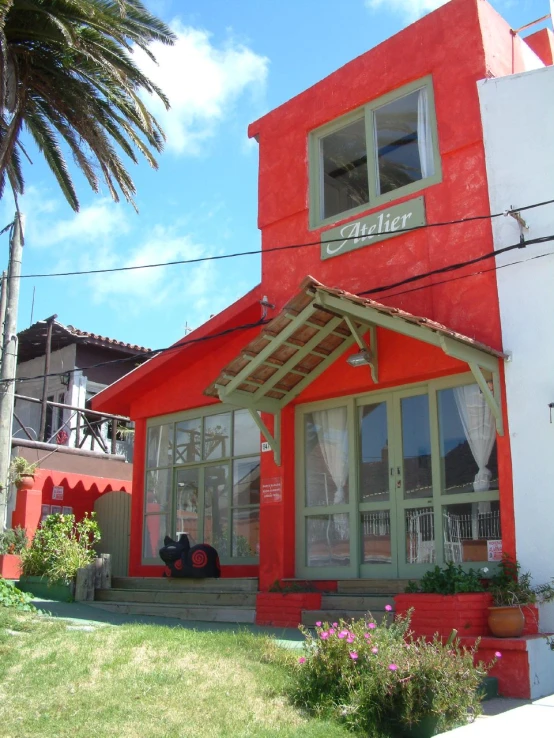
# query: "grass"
144, 681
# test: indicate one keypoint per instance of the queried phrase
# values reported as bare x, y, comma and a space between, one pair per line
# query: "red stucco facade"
457, 45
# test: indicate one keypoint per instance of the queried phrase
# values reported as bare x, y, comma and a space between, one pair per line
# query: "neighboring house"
81, 364
386, 436
517, 113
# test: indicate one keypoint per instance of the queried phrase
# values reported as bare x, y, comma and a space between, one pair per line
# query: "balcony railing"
79, 428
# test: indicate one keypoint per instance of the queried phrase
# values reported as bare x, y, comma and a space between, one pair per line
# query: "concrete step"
163, 584
205, 614
182, 597
356, 602
311, 617
372, 586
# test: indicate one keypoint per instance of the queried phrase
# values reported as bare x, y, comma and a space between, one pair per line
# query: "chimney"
542, 43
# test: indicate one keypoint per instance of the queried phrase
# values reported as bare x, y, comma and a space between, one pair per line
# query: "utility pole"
3, 302
44, 404
9, 363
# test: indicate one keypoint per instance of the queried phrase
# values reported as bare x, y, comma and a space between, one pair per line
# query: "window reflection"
374, 462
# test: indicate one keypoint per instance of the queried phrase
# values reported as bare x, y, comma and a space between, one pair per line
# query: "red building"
384, 436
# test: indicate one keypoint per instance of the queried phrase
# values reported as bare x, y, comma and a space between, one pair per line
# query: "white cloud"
409, 9
202, 82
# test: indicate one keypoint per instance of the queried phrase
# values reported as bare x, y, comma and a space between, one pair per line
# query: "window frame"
315, 176
202, 465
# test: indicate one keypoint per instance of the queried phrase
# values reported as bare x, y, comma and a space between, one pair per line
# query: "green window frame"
367, 114
174, 462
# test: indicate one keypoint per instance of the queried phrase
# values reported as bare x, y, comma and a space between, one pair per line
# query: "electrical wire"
274, 249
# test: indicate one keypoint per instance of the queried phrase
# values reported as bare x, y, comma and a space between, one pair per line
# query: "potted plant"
59, 549
22, 472
514, 596
12, 542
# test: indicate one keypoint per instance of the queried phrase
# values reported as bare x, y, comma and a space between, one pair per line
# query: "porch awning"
313, 330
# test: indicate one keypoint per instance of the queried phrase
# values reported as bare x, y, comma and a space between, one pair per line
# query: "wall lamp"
363, 358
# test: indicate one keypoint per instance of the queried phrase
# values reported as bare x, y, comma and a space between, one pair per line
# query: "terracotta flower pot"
26, 481
507, 621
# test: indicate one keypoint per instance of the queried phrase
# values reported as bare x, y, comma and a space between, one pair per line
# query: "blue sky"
234, 61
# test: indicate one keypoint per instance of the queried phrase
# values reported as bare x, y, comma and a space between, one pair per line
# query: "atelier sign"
373, 228
272, 490
57, 493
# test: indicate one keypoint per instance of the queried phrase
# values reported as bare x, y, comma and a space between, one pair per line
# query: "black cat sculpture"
182, 560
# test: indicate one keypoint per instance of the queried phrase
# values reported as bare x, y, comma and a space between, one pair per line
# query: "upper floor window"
385, 150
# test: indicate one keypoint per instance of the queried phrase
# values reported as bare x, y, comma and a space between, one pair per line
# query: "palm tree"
67, 75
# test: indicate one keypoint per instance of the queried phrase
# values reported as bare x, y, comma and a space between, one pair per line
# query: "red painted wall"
462, 42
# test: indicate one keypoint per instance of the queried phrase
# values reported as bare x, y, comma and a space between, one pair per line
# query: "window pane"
186, 504
155, 530
188, 437
376, 537
467, 441
416, 447
328, 540
246, 434
420, 536
404, 149
216, 507
344, 166
217, 436
246, 533
326, 455
160, 446
246, 481
158, 490
472, 532
374, 462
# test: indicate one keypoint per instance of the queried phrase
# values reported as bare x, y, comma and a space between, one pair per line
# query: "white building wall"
518, 114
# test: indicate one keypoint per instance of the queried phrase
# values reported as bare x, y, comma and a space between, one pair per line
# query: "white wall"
518, 115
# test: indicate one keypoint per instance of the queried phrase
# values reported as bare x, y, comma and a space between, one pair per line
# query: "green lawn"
143, 681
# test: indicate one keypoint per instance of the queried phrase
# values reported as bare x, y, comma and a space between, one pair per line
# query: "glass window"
472, 532
188, 437
246, 481
156, 527
217, 436
374, 458
160, 446
344, 155
158, 490
467, 441
328, 540
420, 536
187, 485
246, 533
326, 453
216, 507
376, 537
416, 447
397, 137
246, 436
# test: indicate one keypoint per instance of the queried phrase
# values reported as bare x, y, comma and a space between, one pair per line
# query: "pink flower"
353, 655
371, 625
335, 625
318, 624
388, 608
324, 635
350, 639
498, 655
301, 660
393, 667
367, 635
331, 631
343, 634
375, 650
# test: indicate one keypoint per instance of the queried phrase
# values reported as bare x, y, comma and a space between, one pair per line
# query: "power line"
285, 247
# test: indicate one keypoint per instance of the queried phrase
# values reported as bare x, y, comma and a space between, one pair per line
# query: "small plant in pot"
22, 472
512, 591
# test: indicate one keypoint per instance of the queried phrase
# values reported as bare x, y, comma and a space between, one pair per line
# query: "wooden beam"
274, 441
490, 399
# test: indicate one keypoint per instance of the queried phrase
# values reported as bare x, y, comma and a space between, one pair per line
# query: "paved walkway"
504, 718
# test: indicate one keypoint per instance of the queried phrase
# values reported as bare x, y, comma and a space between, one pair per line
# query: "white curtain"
424, 141
479, 429
332, 434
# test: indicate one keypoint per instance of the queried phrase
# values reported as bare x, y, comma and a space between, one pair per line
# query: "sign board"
266, 446
494, 550
272, 490
57, 493
372, 228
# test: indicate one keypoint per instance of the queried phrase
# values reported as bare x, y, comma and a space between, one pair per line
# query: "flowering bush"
10, 596
380, 680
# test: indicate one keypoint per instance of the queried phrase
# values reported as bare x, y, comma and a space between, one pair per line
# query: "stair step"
356, 602
205, 614
311, 617
183, 597
372, 586
164, 584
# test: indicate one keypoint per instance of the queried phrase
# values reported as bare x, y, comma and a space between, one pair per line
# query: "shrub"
61, 547
448, 581
10, 596
380, 680
13, 541
510, 587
